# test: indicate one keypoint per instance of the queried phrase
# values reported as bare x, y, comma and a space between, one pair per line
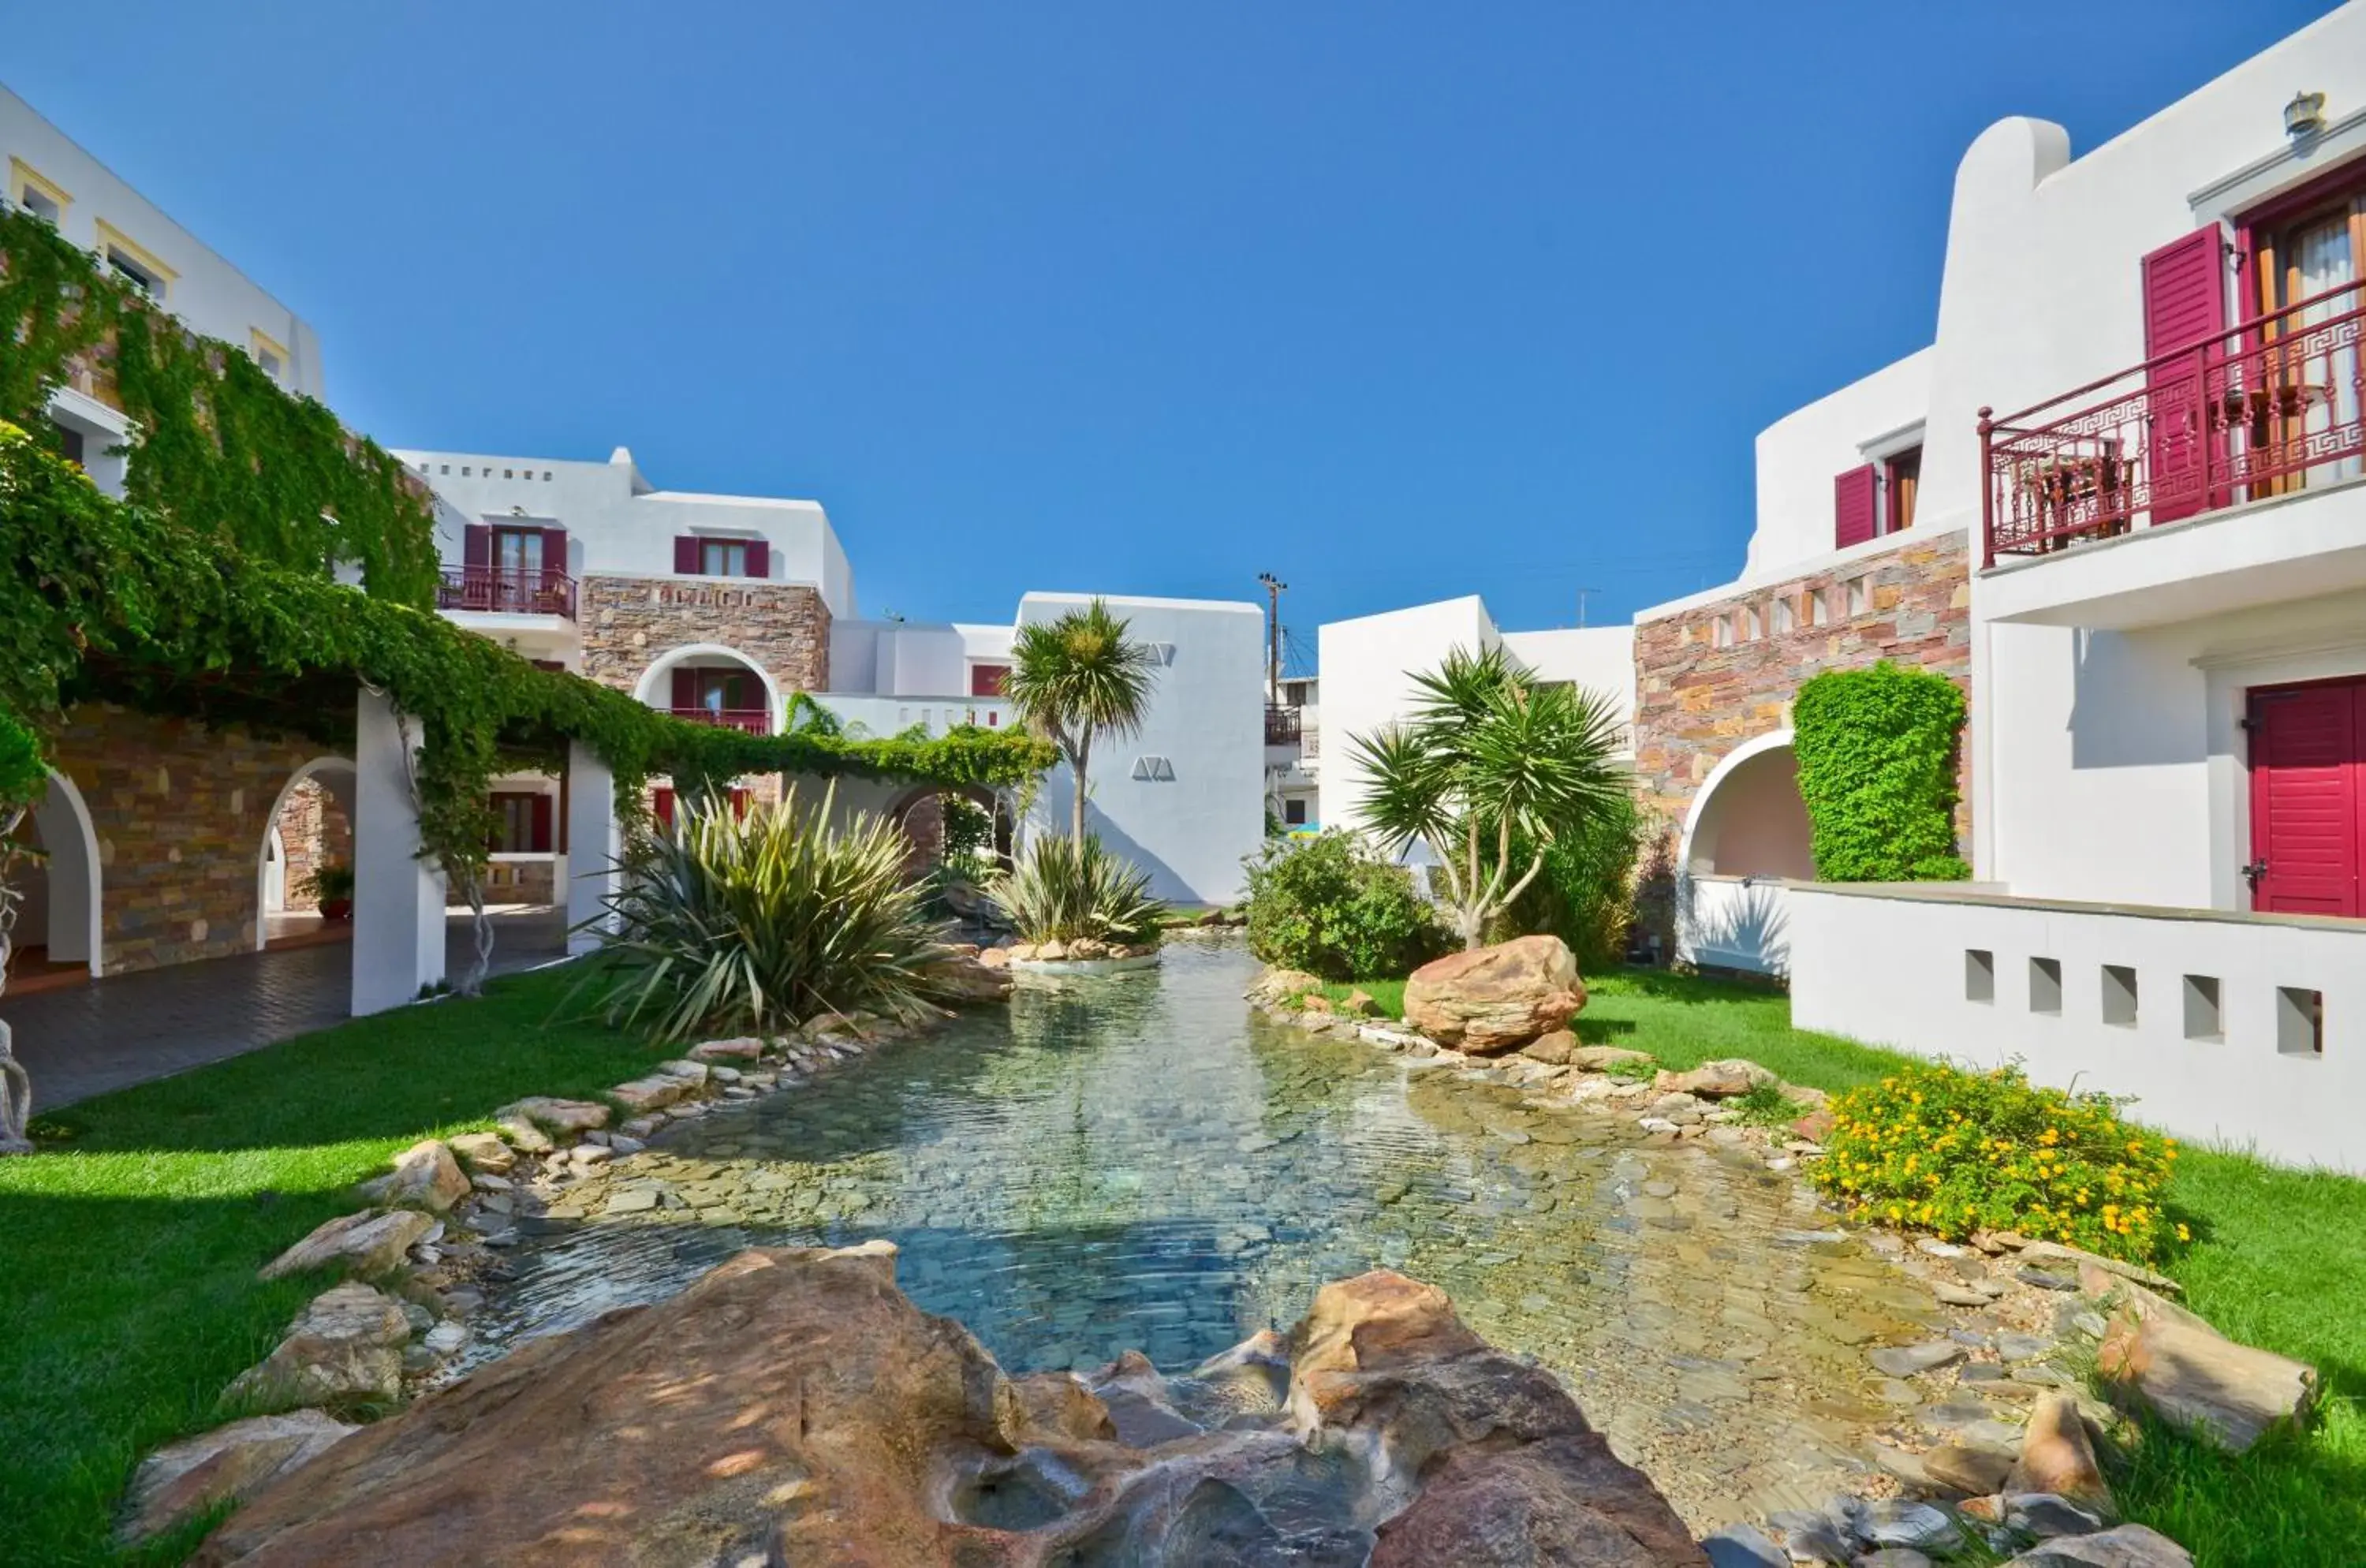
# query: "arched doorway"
710, 684
309, 831
56, 937
971, 822
1747, 833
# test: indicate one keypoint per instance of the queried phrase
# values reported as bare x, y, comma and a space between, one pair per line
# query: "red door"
2308, 796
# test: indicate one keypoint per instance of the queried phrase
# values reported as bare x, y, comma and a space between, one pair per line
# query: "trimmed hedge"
1876, 752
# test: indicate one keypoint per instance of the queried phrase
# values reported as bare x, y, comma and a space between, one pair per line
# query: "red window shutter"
685, 554
986, 679
542, 824
1856, 502
760, 559
2308, 771
2184, 306
553, 550
661, 807
739, 803
685, 689
476, 545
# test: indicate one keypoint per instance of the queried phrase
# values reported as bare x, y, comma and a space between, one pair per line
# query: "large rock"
1715, 1080
564, 1116
2055, 1456
793, 1406
966, 982
1554, 1049
346, 1346
2127, 1546
1497, 998
2159, 1353
365, 1243
1280, 985
426, 1176
655, 1092
485, 1152
227, 1464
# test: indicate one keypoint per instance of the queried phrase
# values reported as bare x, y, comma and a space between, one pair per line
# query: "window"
70, 444
43, 199
524, 819
986, 679
723, 558
133, 263
1901, 476
726, 691
1294, 693
517, 550
272, 358
1294, 812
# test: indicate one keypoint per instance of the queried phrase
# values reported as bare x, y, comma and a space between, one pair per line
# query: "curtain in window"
2323, 259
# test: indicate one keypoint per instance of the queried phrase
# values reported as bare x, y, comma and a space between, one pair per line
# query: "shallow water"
1140, 1162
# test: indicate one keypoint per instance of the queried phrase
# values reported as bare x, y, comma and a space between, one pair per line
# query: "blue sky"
1396, 301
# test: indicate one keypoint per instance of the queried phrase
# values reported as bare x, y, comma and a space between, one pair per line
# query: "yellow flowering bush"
1953, 1152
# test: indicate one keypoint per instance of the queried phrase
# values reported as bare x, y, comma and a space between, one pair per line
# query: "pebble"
1742, 1546
1895, 1521
1904, 1360
2043, 1280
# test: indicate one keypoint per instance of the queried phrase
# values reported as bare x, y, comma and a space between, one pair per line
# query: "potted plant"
332, 887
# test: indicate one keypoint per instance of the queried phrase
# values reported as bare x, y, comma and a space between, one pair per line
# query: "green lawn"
2279, 1260
128, 1257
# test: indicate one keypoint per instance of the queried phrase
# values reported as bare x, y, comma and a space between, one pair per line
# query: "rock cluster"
793, 1407
1084, 950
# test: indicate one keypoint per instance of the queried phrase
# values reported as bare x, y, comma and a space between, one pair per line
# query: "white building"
1369, 665
51, 176
2143, 413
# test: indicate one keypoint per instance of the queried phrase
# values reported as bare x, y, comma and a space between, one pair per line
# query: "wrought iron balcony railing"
2265, 409
755, 721
506, 591
1281, 727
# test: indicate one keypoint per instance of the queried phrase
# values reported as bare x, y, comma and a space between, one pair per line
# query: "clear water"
1140, 1162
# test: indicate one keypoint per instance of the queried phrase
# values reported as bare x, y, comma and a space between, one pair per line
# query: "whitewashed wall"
1801, 454
1367, 666
616, 522
1888, 966
1600, 659
208, 293
1733, 922
1191, 828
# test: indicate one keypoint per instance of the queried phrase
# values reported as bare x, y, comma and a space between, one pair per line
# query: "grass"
127, 1254
1388, 996
2278, 1260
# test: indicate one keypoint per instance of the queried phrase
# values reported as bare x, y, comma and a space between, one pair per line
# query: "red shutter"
2309, 797
685, 689
476, 545
553, 550
760, 559
661, 807
542, 824
1856, 500
685, 554
2184, 308
986, 679
740, 800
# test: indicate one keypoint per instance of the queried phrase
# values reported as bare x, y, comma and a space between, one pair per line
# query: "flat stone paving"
90, 1040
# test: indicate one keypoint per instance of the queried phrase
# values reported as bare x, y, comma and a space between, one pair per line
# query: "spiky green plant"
1075, 678
1062, 890
750, 922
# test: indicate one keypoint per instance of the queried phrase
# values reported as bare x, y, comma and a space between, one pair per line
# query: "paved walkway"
113, 1034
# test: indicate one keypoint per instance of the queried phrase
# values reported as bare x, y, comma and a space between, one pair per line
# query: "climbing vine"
1877, 750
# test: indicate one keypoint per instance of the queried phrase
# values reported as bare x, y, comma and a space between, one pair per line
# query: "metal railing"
755, 721
506, 591
1283, 726
2264, 409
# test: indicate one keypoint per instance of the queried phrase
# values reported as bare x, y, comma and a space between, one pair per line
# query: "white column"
397, 898
593, 843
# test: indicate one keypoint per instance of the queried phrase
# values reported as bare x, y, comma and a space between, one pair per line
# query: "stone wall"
180, 812
313, 833
629, 622
1694, 701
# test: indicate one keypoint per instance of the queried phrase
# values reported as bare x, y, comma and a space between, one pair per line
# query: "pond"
1142, 1162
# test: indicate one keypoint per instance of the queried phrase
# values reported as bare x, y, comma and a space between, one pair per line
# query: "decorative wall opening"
2300, 1022
2045, 985
2205, 1020
1979, 974
2119, 996
1753, 823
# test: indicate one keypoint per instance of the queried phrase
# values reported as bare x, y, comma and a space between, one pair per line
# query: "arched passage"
311, 826
919, 812
58, 917
1748, 820
716, 683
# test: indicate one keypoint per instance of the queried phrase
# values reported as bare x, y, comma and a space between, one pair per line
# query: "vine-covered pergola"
267, 569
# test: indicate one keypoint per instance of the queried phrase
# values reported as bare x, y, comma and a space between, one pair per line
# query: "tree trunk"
1076, 816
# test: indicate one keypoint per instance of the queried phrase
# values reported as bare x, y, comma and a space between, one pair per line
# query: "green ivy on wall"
1877, 750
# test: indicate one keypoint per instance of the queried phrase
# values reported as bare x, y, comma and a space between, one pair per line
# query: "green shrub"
1060, 891
1955, 1152
968, 832
1877, 750
1329, 905
1585, 894
733, 924
328, 882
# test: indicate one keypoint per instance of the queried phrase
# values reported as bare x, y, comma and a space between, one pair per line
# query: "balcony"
2255, 430
506, 591
755, 721
879, 717
1283, 726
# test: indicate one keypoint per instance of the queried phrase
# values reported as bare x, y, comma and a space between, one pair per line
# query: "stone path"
92, 1039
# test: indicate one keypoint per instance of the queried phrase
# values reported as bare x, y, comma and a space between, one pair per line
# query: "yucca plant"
750, 922
1062, 890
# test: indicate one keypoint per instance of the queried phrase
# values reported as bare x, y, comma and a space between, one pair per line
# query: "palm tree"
1077, 677
1492, 766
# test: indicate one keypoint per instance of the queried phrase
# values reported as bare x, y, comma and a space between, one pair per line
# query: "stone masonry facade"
629, 622
1696, 700
180, 812
313, 833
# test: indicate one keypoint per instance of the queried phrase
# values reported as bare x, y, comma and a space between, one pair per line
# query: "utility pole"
1582, 595
1273, 590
